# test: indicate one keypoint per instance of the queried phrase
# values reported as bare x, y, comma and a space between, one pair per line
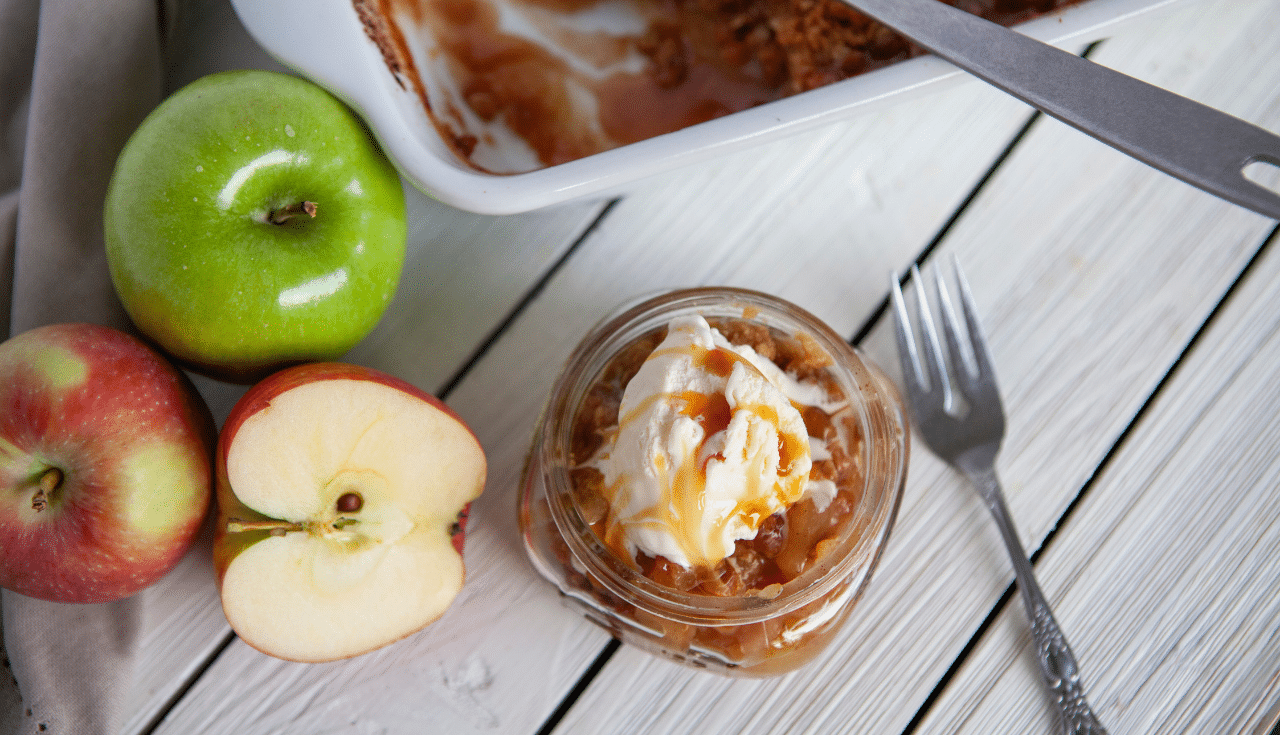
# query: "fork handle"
1057, 664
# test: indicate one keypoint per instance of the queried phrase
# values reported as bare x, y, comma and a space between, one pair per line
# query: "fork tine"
913, 372
934, 361
964, 369
977, 340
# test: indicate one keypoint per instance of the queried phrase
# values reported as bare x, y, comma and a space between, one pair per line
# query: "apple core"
340, 493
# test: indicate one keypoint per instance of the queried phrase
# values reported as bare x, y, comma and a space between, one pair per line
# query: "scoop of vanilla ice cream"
709, 444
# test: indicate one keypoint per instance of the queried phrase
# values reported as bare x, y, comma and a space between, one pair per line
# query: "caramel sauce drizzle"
684, 487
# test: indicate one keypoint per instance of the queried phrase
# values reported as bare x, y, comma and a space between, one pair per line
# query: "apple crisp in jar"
714, 478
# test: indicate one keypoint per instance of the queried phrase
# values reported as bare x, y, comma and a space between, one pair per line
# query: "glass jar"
757, 631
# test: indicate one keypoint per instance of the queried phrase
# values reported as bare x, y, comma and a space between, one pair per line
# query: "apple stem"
50, 481
276, 528
284, 214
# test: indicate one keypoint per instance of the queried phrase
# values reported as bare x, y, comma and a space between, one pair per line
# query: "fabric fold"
78, 78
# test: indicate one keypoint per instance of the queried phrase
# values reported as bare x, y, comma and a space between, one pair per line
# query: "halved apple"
342, 500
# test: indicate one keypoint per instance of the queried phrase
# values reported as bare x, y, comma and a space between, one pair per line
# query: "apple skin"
193, 255
231, 542
133, 442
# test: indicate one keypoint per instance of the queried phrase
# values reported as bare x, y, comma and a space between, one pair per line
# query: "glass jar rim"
856, 551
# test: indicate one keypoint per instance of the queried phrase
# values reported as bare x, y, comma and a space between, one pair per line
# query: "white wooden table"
1135, 325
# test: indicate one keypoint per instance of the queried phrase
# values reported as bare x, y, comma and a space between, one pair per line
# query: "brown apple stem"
276, 528
50, 481
284, 214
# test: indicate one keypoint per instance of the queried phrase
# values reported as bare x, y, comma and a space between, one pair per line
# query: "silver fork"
965, 430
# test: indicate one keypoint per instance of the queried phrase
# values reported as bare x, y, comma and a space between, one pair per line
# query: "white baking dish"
325, 41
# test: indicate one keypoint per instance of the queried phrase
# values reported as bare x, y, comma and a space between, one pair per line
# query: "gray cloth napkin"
76, 78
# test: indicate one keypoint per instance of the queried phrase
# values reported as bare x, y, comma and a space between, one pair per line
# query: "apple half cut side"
342, 498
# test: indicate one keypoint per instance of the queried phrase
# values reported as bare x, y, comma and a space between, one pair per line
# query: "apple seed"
50, 481
350, 502
284, 214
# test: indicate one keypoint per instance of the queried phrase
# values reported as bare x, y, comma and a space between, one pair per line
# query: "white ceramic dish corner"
325, 41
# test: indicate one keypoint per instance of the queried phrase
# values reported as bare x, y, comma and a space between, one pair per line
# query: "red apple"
105, 464
342, 498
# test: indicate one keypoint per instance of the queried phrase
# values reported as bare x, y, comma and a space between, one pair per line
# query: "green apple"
253, 222
106, 464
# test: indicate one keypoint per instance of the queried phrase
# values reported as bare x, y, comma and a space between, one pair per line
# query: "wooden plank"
507, 651
1168, 571
463, 275
1089, 277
